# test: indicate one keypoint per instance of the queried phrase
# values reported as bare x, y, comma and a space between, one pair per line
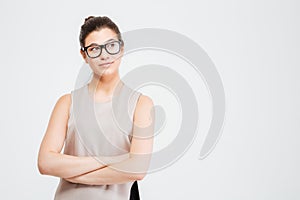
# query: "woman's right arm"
50, 160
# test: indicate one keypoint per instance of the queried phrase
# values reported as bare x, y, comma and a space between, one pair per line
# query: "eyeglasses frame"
103, 46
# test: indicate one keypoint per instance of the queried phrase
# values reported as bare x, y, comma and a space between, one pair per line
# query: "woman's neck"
104, 85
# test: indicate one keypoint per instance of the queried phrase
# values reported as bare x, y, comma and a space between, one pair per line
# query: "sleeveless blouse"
98, 129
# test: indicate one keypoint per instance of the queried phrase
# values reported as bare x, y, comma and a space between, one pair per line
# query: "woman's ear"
83, 55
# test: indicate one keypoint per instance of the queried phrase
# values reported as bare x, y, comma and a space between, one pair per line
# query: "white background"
255, 47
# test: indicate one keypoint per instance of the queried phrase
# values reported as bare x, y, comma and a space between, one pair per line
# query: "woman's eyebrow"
92, 44
112, 39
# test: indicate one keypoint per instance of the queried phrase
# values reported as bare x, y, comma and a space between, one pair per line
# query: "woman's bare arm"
136, 166
50, 160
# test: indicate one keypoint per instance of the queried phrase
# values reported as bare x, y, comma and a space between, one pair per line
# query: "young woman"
101, 160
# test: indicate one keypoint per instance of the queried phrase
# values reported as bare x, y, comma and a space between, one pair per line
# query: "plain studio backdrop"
255, 47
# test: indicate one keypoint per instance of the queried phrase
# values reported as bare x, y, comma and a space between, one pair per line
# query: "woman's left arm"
136, 166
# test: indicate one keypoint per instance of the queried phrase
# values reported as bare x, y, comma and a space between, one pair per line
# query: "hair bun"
86, 19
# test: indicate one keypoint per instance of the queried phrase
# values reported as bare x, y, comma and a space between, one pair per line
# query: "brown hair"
92, 23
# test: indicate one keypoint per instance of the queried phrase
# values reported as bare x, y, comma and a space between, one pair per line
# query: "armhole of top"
136, 96
71, 105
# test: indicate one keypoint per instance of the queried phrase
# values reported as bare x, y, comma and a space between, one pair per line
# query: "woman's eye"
94, 49
111, 45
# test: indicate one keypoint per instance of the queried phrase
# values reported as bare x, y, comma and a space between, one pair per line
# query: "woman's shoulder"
143, 115
65, 98
64, 102
144, 101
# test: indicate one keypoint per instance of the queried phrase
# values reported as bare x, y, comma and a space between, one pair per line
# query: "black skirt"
134, 192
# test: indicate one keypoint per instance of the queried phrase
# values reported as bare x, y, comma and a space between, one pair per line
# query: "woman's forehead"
100, 37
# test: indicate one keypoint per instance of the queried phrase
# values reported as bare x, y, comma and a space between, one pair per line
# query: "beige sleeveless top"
99, 129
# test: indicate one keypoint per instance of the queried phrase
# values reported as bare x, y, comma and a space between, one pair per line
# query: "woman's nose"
104, 55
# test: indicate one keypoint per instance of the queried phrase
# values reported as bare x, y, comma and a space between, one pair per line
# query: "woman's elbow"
140, 177
43, 166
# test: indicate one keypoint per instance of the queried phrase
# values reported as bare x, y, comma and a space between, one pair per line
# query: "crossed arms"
97, 170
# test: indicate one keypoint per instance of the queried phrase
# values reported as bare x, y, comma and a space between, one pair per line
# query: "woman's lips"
107, 64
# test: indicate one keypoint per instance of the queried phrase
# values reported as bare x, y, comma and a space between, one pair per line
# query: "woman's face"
106, 63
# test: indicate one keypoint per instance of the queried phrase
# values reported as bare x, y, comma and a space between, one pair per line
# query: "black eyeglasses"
95, 50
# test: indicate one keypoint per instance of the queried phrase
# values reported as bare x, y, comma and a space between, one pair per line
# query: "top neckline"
91, 96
